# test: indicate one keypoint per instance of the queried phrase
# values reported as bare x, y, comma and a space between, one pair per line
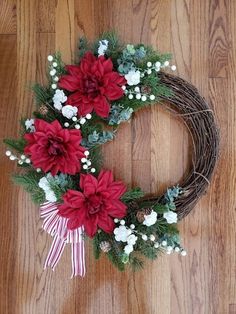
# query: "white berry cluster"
87, 162
21, 160
169, 249
58, 99
29, 125
45, 186
80, 121
157, 66
53, 71
133, 78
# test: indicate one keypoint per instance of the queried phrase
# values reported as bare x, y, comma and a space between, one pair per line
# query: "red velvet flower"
53, 148
93, 84
96, 205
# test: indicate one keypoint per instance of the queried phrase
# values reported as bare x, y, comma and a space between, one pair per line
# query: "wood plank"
9, 112
7, 17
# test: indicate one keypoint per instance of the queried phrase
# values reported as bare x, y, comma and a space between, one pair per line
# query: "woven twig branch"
196, 113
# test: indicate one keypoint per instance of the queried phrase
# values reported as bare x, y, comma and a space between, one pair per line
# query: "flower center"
91, 86
94, 204
55, 146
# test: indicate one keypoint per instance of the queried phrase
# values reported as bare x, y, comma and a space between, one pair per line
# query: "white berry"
27, 160
137, 89
123, 87
52, 72
50, 58
56, 78
183, 253
54, 64
74, 119
158, 64
66, 124
144, 237
22, 157
152, 237
132, 226
8, 153
20, 162
93, 170
166, 63
83, 160
89, 163
116, 220
82, 121
164, 243
177, 249
38, 170
85, 166
54, 86
130, 96
77, 126
149, 64
149, 71
88, 116
86, 153
156, 245
152, 97
12, 157
144, 98
173, 67
138, 96
122, 222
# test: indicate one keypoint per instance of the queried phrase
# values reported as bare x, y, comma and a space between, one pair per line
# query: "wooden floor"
153, 151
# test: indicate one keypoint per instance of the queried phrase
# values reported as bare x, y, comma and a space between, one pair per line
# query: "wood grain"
153, 151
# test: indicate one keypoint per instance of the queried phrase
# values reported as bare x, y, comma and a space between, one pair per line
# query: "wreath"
59, 153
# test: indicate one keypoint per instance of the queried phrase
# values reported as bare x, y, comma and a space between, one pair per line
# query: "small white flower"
49, 194
29, 125
128, 249
171, 217
103, 45
69, 111
133, 77
59, 98
131, 240
151, 219
121, 233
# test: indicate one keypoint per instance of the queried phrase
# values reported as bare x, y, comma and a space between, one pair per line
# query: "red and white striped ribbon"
56, 226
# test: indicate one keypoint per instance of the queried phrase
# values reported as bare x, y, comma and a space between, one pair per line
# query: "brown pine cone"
43, 109
141, 213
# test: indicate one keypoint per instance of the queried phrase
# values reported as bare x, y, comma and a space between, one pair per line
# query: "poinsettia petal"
116, 189
74, 223
90, 225
101, 106
89, 184
118, 209
106, 223
105, 178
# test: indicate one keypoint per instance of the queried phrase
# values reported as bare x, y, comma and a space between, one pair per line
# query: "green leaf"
29, 181
16, 144
132, 195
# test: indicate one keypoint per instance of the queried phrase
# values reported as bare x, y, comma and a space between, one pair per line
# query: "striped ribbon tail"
56, 226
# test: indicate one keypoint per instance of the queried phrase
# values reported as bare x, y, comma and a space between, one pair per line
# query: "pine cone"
105, 246
133, 206
43, 109
141, 213
146, 89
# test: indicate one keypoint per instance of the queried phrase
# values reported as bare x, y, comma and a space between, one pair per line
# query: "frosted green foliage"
119, 114
129, 57
98, 138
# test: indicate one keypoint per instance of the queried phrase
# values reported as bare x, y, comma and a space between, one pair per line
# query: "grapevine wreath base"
59, 157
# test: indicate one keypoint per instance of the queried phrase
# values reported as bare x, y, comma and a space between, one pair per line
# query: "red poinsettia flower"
93, 84
53, 148
95, 206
